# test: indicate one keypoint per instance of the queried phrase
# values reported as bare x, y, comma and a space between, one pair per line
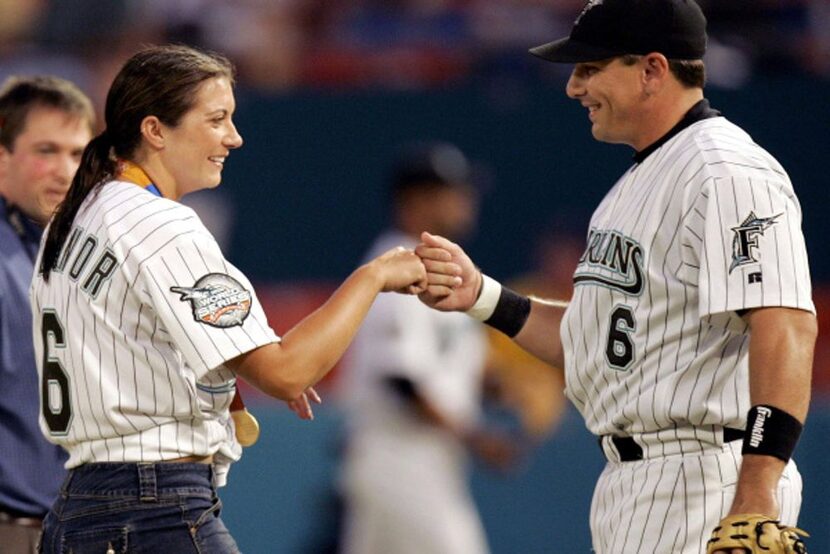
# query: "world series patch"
217, 300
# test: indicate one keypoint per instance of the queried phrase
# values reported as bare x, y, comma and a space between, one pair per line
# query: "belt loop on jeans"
67, 482
147, 491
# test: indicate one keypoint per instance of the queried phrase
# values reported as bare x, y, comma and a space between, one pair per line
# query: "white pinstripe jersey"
706, 226
132, 331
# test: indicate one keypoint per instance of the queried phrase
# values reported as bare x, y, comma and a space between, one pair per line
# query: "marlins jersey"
703, 228
132, 330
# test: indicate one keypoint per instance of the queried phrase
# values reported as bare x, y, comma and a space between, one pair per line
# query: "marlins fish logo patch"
746, 238
217, 300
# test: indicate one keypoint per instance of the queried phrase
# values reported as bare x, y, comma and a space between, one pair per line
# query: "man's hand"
497, 450
453, 282
755, 534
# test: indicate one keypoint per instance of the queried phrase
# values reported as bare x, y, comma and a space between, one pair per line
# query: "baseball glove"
756, 534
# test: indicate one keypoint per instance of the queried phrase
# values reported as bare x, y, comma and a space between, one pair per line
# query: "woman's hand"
302, 405
400, 270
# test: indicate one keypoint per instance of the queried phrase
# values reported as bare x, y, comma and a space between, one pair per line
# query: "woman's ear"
153, 131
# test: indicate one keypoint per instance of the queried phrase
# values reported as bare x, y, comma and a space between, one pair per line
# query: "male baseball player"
688, 342
45, 122
413, 388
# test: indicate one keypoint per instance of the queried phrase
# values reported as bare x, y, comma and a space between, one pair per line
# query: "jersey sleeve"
205, 304
403, 339
746, 233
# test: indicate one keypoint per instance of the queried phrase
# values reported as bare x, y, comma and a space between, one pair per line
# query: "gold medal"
247, 427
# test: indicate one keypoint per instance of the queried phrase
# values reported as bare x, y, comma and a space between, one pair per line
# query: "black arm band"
511, 313
771, 432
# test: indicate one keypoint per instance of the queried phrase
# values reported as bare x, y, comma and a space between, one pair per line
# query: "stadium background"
327, 91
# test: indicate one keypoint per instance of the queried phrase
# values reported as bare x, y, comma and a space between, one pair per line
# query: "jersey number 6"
55, 403
620, 348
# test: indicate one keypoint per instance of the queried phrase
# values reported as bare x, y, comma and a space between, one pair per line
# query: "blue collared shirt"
31, 468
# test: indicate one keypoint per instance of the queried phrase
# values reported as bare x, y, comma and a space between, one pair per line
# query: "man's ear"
655, 70
5, 160
153, 132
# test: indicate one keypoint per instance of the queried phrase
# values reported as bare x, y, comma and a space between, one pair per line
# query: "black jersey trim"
699, 112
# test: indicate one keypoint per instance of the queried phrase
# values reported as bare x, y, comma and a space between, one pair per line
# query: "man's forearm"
540, 334
780, 360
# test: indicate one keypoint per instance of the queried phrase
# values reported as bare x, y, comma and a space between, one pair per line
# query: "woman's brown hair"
160, 81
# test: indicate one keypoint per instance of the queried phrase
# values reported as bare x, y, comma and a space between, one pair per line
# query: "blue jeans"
137, 508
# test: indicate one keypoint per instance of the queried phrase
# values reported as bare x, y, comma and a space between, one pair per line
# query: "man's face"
36, 173
613, 94
454, 211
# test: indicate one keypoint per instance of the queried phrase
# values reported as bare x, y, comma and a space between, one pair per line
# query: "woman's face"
195, 150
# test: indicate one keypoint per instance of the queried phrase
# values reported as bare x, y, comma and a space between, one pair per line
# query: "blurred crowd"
282, 45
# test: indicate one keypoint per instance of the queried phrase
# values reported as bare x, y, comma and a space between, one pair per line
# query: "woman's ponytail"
97, 165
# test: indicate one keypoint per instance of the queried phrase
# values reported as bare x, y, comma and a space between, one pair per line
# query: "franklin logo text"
757, 433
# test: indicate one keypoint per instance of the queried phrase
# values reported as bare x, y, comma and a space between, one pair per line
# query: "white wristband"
487, 300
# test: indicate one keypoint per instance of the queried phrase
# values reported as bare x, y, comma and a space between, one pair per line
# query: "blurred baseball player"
688, 342
413, 388
45, 122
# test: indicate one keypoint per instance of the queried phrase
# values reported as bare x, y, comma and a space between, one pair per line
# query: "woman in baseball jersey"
142, 326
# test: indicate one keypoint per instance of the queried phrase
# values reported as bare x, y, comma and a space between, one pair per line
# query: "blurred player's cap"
431, 164
610, 28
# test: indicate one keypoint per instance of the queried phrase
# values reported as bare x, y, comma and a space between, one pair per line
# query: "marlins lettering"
612, 251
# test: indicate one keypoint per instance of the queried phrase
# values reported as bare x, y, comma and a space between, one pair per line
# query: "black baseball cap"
610, 28
430, 164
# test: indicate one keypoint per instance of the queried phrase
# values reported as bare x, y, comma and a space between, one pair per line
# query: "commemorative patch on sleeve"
217, 300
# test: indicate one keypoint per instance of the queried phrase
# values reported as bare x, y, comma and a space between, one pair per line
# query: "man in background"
413, 388
45, 123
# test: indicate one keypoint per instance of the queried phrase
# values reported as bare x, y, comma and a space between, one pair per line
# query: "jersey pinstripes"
145, 376
661, 353
671, 507
704, 227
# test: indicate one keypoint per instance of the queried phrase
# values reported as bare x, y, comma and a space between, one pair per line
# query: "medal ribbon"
128, 171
